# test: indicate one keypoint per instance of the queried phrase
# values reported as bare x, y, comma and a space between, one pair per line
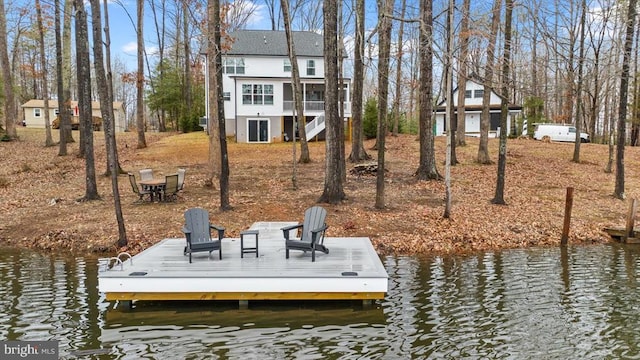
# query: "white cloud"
130, 48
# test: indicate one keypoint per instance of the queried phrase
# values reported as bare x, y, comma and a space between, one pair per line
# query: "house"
34, 113
257, 90
472, 110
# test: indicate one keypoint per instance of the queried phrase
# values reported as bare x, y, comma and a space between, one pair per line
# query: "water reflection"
578, 302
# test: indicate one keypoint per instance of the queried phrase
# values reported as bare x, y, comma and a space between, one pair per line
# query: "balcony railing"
312, 106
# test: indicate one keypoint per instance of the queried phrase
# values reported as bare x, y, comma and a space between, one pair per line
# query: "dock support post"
631, 218
243, 304
567, 217
367, 303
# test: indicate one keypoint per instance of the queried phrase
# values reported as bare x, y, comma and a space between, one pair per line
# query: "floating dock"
351, 271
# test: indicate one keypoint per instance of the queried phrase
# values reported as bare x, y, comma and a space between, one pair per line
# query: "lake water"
576, 303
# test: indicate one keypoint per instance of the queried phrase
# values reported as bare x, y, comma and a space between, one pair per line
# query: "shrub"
370, 119
190, 124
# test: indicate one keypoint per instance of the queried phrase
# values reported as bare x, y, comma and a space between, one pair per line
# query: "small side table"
248, 250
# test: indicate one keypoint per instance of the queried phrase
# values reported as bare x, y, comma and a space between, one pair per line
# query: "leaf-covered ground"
39, 192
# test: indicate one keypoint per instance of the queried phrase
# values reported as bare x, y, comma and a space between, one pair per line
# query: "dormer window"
311, 67
478, 93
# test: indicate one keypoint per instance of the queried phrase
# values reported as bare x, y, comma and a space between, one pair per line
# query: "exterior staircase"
314, 127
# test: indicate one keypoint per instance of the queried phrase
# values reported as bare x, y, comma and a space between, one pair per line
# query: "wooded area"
560, 60
39, 192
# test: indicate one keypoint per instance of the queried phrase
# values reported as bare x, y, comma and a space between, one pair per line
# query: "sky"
122, 15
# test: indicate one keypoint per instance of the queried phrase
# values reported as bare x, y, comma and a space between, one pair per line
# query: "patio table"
156, 186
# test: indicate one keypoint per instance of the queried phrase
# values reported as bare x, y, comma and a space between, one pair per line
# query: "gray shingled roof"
274, 43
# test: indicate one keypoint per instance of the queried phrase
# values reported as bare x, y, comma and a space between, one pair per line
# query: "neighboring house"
472, 110
257, 88
34, 113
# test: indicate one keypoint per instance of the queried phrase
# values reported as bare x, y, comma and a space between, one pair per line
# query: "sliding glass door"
258, 130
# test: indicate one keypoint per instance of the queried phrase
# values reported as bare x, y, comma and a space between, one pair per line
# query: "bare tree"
106, 109
45, 74
399, 55
215, 162
296, 84
59, 82
579, 107
358, 152
448, 68
622, 107
214, 29
84, 100
333, 191
485, 117
504, 113
64, 109
142, 142
385, 8
461, 129
427, 167
10, 110
274, 14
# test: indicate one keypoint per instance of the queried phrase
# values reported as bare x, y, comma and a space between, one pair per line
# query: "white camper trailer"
558, 132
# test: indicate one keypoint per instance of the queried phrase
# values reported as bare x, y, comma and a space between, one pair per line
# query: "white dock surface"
351, 270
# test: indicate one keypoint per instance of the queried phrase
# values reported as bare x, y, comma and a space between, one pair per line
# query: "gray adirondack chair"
311, 233
138, 191
197, 230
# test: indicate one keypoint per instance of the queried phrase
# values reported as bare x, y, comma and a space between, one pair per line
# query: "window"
258, 130
226, 95
478, 93
467, 94
287, 66
233, 65
257, 94
311, 67
37, 112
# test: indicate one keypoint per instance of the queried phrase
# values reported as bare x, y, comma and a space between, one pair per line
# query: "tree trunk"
84, 100
109, 77
62, 150
142, 142
218, 107
622, 107
213, 127
579, 112
106, 109
461, 128
485, 117
296, 84
504, 113
10, 110
333, 191
65, 108
398, 90
452, 126
427, 168
384, 51
45, 74
358, 152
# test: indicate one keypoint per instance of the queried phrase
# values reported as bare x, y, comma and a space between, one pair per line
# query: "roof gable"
274, 43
